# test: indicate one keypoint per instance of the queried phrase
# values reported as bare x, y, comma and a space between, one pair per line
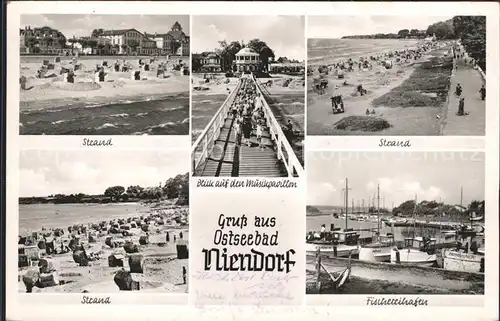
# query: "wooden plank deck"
228, 159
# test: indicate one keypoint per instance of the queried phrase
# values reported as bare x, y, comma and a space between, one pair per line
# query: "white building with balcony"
248, 59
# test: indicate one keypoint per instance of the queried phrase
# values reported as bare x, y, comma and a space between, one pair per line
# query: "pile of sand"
362, 123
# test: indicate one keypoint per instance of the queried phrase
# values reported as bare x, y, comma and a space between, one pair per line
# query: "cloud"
82, 25
339, 26
91, 172
284, 34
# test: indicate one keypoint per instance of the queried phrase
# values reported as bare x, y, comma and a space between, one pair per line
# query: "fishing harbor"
371, 250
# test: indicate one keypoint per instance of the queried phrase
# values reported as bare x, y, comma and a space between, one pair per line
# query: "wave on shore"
146, 115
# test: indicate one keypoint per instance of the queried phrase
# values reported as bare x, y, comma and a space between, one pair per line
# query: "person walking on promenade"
461, 107
458, 90
483, 92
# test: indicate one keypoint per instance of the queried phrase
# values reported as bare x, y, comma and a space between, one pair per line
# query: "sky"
400, 175
339, 26
82, 25
284, 34
90, 172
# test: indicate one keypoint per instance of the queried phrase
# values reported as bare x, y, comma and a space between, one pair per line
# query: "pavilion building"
248, 59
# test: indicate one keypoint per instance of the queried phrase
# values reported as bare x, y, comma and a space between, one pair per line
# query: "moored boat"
457, 260
411, 256
379, 251
337, 243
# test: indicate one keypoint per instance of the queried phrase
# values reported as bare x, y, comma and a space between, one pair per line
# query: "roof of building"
247, 52
177, 35
118, 32
206, 54
177, 25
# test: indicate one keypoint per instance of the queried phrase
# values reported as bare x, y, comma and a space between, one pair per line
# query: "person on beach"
483, 92
184, 273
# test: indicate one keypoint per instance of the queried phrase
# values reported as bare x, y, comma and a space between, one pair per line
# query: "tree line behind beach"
471, 30
174, 188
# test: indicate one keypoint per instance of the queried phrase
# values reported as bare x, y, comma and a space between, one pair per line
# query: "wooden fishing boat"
415, 249
414, 252
345, 240
380, 249
336, 242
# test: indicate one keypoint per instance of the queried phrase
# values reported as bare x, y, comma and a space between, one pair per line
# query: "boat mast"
378, 209
346, 202
414, 216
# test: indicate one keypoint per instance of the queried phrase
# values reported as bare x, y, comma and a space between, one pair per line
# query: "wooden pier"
216, 152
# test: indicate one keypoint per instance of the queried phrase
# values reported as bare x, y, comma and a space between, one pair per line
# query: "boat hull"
327, 249
413, 257
466, 262
378, 254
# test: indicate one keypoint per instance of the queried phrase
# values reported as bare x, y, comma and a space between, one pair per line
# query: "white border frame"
17, 309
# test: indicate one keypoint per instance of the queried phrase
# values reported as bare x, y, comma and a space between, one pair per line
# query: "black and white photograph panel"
248, 92
396, 75
103, 222
104, 74
395, 223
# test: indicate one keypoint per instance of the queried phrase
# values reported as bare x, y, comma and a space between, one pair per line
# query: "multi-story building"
92, 46
174, 42
207, 61
125, 40
149, 47
248, 59
43, 40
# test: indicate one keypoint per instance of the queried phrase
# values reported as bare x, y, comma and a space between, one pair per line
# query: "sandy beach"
49, 105
143, 233
52, 91
377, 81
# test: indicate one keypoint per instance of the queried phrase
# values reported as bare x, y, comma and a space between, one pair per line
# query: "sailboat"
414, 249
380, 249
336, 242
466, 257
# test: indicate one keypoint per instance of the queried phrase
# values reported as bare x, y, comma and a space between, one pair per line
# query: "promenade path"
472, 124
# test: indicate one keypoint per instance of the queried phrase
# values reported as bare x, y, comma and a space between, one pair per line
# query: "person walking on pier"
237, 127
247, 130
259, 135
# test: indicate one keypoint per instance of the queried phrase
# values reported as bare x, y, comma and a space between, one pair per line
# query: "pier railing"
202, 148
284, 150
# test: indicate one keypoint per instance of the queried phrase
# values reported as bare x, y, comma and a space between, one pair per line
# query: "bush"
362, 123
